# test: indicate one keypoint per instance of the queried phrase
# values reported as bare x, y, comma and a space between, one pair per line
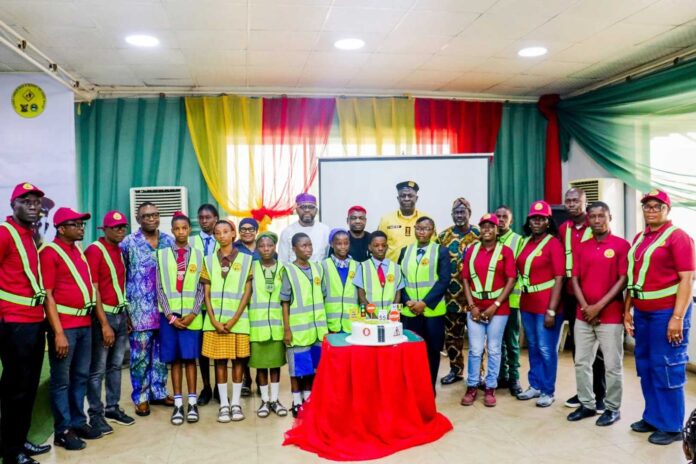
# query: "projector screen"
371, 182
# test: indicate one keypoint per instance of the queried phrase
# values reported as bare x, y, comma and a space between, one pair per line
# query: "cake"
374, 332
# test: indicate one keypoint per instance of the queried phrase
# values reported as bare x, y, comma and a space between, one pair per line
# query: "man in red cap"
359, 238
110, 324
22, 335
70, 299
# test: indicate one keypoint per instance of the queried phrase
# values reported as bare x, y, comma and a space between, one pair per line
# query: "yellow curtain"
369, 125
226, 135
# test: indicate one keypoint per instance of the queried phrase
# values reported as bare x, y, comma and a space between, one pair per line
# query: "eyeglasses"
654, 208
424, 229
77, 225
150, 216
246, 230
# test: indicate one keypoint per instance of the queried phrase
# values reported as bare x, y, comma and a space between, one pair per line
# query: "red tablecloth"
368, 402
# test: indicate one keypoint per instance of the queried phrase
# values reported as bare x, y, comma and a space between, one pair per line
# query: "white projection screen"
371, 182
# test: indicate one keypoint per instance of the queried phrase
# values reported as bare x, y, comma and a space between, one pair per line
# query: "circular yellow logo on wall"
609, 253
29, 100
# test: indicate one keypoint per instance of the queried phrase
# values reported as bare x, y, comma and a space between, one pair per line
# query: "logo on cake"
366, 331
397, 331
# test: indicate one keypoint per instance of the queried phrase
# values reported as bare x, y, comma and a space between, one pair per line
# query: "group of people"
263, 301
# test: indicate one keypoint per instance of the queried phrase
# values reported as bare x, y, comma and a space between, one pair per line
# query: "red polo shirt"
576, 234
13, 279
598, 265
504, 269
676, 255
57, 277
101, 275
549, 264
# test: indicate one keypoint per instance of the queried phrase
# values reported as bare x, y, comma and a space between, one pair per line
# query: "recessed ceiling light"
140, 40
349, 44
532, 51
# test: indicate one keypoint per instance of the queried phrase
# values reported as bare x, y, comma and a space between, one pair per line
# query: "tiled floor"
514, 432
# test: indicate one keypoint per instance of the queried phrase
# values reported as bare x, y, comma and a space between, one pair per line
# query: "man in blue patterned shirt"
148, 373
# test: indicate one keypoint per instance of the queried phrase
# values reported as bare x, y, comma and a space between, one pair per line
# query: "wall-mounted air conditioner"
611, 192
168, 200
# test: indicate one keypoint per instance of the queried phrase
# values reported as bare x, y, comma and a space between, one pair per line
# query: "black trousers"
22, 353
432, 329
599, 382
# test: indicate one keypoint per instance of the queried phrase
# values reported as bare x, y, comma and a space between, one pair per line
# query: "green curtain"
516, 177
124, 143
618, 125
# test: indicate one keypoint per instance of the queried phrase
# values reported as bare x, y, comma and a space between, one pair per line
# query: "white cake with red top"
374, 332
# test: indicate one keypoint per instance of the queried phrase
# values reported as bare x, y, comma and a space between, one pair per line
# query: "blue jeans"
490, 335
107, 363
542, 346
661, 367
69, 379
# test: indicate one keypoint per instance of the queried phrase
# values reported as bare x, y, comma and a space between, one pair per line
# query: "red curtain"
295, 131
455, 126
553, 188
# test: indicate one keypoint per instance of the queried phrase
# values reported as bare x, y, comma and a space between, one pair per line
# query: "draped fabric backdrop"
124, 143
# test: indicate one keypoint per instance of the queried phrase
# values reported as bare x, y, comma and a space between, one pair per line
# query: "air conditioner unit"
611, 192
168, 200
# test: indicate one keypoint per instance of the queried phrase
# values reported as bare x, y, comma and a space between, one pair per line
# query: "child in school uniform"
341, 293
304, 319
179, 297
379, 280
266, 324
227, 280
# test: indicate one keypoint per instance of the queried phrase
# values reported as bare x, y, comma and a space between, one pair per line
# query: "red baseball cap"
63, 215
658, 195
488, 217
113, 219
540, 208
25, 188
357, 208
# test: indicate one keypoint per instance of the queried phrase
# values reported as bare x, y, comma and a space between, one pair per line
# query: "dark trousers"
21, 353
455, 326
432, 329
599, 381
510, 352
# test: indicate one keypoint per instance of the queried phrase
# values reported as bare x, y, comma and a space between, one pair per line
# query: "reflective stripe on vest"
181, 303
120, 297
36, 282
569, 248
513, 241
197, 242
339, 298
265, 310
486, 292
226, 293
88, 295
420, 278
381, 297
635, 288
526, 286
307, 317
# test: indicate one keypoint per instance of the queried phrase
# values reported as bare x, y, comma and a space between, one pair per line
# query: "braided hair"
689, 437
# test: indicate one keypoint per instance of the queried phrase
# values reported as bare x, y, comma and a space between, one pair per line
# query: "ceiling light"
532, 51
140, 40
349, 44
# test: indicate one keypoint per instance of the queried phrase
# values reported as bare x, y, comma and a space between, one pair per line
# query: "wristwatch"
551, 312
497, 304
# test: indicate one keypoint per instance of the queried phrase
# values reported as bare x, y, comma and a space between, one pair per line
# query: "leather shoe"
515, 388
664, 438
451, 378
581, 413
205, 396
21, 458
30, 449
608, 417
142, 409
166, 401
643, 427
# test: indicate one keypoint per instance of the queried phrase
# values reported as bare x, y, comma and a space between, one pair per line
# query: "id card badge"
270, 286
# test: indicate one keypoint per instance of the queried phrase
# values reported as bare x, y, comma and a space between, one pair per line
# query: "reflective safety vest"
226, 292
265, 310
307, 316
86, 288
513, 241
339, 298
197, 242
381, 297
122, 304
486, 292
569, 248
35, 281
635, 286
421, 277
526, 286
181, 303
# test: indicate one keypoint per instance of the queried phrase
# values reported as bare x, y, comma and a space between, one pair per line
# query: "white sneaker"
224, 414
528, 394
545, 400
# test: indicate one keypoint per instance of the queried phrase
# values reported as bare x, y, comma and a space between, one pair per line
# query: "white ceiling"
455, 46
